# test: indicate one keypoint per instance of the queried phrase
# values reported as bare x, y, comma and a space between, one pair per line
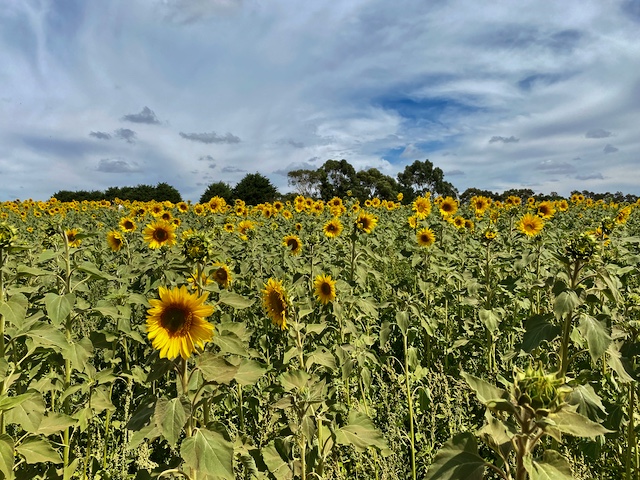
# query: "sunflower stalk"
3, 258
67, 361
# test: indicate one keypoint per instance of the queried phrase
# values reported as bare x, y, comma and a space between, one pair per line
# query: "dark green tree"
422, 177
476, 192
338, 178
217, 189
78, 196
255, 188
374, 183
306, 182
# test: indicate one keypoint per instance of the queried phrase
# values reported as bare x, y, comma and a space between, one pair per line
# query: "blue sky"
539, 94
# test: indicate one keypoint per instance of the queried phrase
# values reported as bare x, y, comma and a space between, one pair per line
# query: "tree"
338, 178
305, 182
374, 183
476, 192
217, 189
255, 188
420, 178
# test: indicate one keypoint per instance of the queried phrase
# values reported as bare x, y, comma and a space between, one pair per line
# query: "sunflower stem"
2, 320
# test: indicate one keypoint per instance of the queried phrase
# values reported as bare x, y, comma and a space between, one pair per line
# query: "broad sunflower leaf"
587, 401
28, 413
537, 330
59, 307
7, 402
209, 452
54, 423
79, 353
15, 309
38, 450
569, 421
598, 339
489, 319
278, 466
7, 455
215, 368
553, 466
94, 271
170, 416
249, 372
458, 459
46, 335
361, 433
565, 303
234, 300
483, 389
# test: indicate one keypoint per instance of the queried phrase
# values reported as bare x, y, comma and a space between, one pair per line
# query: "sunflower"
175, 323
332, 228
530, 225
546, 210
199, 209
159, 233
459, 222
293, 243
127, 225
274, 300
245, 225
72, 237
229, 227
182, 207
115, 240
222, 275
426, 237
366, 222
413, 221
448, 207
325, 289
422, 207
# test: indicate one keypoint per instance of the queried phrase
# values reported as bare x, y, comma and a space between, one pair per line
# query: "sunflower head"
366, 222
325, 289
8, 234
293, 244
275, 302
422, 207
197, 247
115, 240
425, 237
222, 275
530, 225
332, 228
159, 233
72, 237
127, 224
175, 322
448, 207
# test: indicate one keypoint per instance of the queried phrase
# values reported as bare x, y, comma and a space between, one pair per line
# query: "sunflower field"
320, 340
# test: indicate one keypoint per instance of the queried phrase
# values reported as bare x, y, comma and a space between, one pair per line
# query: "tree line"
335, 178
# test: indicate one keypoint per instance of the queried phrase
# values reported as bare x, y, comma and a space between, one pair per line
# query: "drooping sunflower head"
159, 233
332, 228
274, 300
115, 240
127, 224
197, 247
425, 237
325, 289
175, 322
530, 225
72, 237
222, 275
546, 210
293, 243
366, 222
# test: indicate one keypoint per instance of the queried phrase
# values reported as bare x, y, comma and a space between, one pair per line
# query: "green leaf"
234, 300
483, 389
458, 459
537, 330
92, 270
54, 423
614, 360
565, 303
230, 343
7, 455
79, 353
553, 466
598, 339
295, 380
215, 368
323, 357
402, 319
29, 413
15, 309
59, 307
46, 335
569, 421
38, 450
209, 452
26, 271
587, 401
278, 466
171, 416
7, 402
361, 433
490, 319
249, 372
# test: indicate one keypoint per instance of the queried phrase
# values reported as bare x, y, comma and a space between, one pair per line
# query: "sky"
536, 94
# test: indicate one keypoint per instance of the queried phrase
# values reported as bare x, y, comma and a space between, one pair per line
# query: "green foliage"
217, 189
255, 188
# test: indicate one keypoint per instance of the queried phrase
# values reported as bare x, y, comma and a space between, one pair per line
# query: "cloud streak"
209, 138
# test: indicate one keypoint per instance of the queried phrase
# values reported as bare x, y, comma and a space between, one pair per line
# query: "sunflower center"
175, 319
292, 243
221, 275
160, 235
325, 288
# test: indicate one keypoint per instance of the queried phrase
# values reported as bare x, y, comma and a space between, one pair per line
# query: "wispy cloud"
499, 139
610, 148
592, 176
145, 116
212, 137
597, 133
126, 134
117, 165
100, 135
